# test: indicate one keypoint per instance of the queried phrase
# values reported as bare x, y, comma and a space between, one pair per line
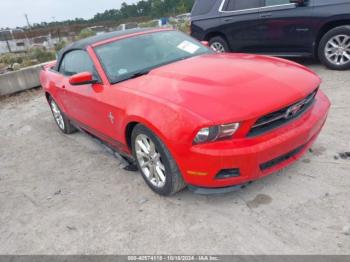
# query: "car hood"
229, 87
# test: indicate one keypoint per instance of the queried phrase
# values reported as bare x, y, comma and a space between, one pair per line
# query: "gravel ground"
67, 195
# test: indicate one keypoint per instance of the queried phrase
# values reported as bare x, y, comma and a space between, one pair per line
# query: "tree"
143, 8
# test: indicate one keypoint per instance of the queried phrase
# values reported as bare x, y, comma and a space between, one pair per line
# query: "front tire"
61, 120
157, 166
334, 48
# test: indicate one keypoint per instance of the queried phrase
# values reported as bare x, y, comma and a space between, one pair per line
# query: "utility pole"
29, 27
27, 19
8, 45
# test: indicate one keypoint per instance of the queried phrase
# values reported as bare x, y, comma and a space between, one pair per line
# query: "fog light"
228, 173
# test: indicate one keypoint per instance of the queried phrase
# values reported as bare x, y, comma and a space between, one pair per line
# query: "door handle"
228, 19
266, 15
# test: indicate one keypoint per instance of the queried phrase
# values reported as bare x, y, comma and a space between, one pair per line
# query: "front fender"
174, 125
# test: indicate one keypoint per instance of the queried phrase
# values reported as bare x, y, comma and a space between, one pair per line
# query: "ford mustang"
182, 113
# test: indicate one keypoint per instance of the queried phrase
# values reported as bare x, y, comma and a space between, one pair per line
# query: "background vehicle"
289, 28
161, 98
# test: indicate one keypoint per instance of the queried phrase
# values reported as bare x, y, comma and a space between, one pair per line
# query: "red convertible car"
184, 114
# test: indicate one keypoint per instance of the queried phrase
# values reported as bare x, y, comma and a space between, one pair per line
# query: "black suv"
287, 28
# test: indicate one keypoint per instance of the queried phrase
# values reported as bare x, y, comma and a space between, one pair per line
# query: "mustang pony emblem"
294, 110
111, 117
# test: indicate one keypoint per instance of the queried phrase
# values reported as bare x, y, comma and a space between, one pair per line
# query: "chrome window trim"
251, 10
236, 11
278, 7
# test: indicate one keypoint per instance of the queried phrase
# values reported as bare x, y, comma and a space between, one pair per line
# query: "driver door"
81, 101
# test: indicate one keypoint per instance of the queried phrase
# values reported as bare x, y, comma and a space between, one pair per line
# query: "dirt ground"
67, 195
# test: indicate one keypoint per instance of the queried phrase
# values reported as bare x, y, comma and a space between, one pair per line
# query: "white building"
8, 42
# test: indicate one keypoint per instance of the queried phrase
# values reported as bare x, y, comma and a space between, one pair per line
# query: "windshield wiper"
132, 76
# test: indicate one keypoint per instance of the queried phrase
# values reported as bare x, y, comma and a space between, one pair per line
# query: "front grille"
280, 159
283, 116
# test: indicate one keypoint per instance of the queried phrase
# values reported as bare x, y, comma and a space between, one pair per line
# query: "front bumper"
254, 157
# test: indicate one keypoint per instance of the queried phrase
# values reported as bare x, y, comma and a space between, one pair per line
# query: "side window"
276, 2
202, 7
236, 5
75, 62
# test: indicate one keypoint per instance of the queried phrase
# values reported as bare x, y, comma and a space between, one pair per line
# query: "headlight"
210, 134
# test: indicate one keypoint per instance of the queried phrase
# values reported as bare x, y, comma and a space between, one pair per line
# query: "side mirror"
83, 78
298, 2
206, 43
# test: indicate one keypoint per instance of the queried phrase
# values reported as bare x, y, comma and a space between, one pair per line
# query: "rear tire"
219, 44
61, 120
334, 48
157, 166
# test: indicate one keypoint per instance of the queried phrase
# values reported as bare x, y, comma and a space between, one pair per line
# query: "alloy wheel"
149, 160
217, 47
337, 50
57, 114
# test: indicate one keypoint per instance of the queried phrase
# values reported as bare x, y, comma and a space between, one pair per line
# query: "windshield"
135, 56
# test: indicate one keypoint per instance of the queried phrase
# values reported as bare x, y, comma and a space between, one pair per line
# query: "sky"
12, 11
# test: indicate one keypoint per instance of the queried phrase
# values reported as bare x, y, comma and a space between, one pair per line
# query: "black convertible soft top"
84, 43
